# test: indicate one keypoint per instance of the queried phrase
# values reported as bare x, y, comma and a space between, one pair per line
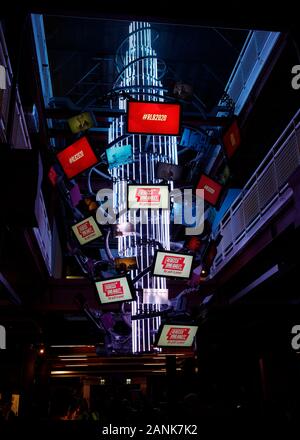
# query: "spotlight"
204, 273
41, 350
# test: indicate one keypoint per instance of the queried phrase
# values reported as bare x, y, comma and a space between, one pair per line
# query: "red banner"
178, 334
85, 229
148, 195
212, 189
113, 288
173, 263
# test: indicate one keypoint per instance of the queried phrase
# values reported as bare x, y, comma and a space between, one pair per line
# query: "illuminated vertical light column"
139, 76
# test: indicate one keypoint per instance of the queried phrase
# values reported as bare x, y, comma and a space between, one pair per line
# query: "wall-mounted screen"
175, 335
125, 264
155, 296
211, 189
114, 290
232, 139
153, 118
148, 196
172, 264
81, 122
86, 230
77, 158
123, 229
168, 171
119, 155
195, 140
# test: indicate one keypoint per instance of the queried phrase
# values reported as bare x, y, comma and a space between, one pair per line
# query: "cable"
107, 249
137, 60
127, 38
141, 274
98, 324
106, 176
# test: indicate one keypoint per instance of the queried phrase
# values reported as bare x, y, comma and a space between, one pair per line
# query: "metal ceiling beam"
64, 113
254, 64
100, 113
224, 15
42, 57
62, 296
254, 284
66, 134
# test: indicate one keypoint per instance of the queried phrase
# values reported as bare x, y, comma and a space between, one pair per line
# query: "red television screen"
153, 118
77, 158
175, 335
211, 189
232, 139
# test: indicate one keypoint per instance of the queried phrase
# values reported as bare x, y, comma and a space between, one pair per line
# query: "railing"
20, 136
264, 194
251, 61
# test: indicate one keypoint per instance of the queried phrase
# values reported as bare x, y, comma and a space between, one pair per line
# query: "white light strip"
77, 365
154, 365
72, 346
72, 356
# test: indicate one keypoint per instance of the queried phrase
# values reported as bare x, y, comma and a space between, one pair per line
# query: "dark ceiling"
202, 57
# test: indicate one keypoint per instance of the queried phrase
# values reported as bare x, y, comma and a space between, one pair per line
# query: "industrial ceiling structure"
102, 79
230, 82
